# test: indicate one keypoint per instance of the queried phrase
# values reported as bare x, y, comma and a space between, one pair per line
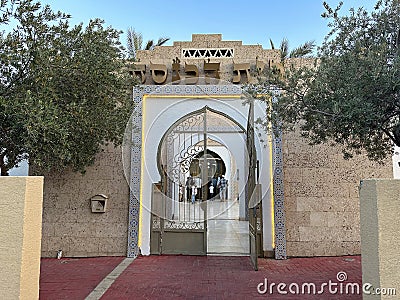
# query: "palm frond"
303, 50
272, 44
138, 41
161, 41
284, 47
149, 45
134, 42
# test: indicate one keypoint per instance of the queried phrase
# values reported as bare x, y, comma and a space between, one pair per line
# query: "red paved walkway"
213, 277
73, 278
202, 277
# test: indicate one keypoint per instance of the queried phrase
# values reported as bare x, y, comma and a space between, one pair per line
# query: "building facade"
191, 115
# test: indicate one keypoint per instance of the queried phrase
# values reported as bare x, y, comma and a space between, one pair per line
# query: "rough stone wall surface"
68, 223
321, 197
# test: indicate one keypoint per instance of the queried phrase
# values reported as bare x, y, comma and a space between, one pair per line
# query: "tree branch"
387, 132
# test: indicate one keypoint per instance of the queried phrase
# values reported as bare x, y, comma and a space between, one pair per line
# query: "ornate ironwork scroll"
180, 162
184, 225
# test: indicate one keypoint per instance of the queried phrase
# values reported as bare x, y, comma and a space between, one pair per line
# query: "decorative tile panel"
279, 208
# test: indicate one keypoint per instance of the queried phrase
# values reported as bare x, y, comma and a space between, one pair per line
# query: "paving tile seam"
106, 283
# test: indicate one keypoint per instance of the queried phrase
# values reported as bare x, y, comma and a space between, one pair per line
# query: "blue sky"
252, 21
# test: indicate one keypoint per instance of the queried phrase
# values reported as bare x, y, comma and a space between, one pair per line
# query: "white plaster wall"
264, 155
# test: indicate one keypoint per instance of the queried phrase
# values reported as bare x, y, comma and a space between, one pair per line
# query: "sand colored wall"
68, 223
21, 201
380, 227
321, 197
242, 54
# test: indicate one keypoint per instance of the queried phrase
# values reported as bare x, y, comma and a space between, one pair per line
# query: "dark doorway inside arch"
215, 169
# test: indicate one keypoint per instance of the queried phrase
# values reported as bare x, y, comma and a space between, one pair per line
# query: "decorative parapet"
206, 55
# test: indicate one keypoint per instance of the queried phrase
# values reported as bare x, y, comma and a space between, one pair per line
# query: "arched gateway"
181, 126
320, 194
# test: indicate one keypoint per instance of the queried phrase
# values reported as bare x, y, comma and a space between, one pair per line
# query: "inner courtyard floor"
226, 235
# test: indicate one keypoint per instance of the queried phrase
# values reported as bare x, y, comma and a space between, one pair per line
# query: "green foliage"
350, 96
64, 91
284, 47
301, 51
134, 42
272, 44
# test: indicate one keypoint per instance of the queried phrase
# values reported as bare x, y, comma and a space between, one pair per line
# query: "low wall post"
380, 237
21, 201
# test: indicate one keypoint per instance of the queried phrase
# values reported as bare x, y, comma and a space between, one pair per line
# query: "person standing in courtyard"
194, 193
181, 193
211, 191
189, 184
223, 184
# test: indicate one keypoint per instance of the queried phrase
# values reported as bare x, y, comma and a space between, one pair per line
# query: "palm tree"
301, 51
134, 43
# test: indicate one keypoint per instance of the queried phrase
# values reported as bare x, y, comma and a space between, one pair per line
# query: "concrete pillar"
21, 200
380, 240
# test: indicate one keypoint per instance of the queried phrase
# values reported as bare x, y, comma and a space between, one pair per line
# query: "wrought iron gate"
177, 225
179, 206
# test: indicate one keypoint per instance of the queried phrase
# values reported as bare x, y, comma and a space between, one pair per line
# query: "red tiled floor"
73, 278
216, 277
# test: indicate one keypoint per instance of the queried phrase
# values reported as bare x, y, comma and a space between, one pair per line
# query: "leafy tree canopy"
349, 95
63, 90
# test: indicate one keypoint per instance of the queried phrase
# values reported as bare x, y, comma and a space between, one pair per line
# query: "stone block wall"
68, 223
321, 197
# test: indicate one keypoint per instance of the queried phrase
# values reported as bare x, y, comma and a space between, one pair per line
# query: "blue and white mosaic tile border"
279, 208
